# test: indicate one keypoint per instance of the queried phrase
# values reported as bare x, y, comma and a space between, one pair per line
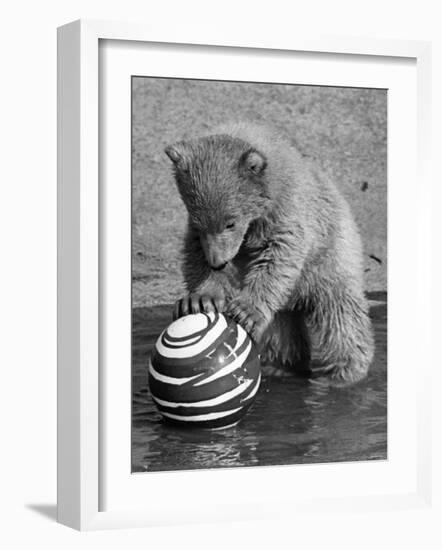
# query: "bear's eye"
230, 225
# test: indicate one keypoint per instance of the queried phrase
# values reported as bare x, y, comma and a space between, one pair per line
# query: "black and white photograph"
259, 274
220, 279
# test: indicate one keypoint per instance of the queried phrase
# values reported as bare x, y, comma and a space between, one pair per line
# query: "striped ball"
204, 371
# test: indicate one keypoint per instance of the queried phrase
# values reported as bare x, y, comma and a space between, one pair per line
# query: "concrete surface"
343, 129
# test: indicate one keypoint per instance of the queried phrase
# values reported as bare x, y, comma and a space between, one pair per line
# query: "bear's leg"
341, 334
285, 344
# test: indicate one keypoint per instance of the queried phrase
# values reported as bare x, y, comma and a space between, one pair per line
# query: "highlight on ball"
204, 371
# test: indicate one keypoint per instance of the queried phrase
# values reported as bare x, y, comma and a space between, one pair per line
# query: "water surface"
293, 420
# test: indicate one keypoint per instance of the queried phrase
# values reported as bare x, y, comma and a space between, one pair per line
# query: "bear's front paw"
248, 316
197, 303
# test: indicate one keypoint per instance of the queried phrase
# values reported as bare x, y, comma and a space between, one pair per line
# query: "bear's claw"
248, 316
197, 303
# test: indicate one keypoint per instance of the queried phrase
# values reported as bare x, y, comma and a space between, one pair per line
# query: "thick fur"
272, 242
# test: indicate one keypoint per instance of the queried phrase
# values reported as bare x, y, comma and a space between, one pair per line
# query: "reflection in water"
292, 421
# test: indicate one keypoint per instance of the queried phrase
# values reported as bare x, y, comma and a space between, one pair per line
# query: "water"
292, 421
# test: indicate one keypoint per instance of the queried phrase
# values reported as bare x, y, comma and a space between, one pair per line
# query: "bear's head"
222, 181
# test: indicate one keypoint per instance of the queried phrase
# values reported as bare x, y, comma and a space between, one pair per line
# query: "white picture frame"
80, 444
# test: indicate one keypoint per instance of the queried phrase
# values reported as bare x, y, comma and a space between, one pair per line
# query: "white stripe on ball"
181, 343
208, 402
201, 417
234, 365
186, 326
171, 379
195, 349
242, 335
255, 389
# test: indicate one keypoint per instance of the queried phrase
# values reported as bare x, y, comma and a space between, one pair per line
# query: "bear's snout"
216, 250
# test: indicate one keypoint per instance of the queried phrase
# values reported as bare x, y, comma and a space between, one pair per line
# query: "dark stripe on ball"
189, 366
236, 401
198, 390
168, 340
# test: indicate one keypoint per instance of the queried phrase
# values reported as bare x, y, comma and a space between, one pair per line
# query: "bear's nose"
219, 267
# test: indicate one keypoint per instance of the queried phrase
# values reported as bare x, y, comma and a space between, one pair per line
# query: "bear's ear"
253, 162
178, 155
